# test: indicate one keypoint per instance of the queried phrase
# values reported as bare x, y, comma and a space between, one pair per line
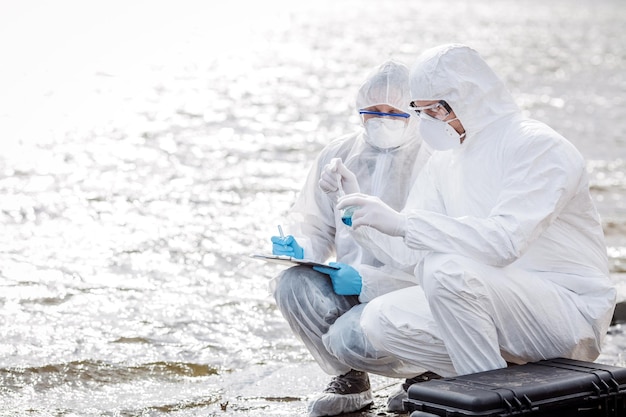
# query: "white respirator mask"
385, 133
439, 134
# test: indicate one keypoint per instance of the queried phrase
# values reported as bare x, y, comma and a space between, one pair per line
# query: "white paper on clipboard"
288, 260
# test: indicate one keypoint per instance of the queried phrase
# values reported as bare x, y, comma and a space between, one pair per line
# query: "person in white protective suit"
508, 245
323, 305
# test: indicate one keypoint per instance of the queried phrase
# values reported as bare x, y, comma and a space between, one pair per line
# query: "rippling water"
148, 147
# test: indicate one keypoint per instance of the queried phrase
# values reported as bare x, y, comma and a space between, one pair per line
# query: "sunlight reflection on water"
149, 147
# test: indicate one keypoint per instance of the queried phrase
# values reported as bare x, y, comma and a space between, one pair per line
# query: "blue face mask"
439, 134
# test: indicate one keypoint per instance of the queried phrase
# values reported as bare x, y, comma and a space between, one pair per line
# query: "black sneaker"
344, 394
395, 401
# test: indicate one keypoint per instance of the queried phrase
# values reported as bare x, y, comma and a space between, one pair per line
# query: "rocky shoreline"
619, 316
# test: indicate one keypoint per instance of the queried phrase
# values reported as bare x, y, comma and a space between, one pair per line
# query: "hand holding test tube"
337, 178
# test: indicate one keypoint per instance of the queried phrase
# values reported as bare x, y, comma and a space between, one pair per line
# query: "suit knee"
296, 284
449, 277
371, 323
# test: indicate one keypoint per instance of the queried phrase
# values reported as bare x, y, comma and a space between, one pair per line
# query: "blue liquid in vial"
346, 216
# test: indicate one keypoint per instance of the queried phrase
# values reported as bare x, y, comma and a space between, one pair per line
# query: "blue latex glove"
346, 280
287, 246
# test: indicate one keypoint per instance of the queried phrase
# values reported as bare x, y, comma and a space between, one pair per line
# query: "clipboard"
289, 261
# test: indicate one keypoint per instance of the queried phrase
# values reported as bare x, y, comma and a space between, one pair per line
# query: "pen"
280, 230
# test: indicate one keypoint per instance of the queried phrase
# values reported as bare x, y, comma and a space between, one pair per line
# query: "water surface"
149, 147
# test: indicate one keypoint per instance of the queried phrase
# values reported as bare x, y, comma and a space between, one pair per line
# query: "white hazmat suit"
508, 245
327, 323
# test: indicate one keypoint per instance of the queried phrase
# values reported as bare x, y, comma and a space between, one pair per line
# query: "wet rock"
619, 316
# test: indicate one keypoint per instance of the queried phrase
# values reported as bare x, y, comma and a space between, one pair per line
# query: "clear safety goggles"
439, 110
377, 113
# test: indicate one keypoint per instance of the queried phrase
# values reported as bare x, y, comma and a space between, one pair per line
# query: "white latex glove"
336, 177
371, 211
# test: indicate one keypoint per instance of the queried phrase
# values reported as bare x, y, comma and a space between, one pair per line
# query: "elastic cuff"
402, 225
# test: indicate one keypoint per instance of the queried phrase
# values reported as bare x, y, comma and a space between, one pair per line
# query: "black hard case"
554, 388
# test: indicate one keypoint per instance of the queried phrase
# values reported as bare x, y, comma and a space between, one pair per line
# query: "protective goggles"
439, 110
377, 113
